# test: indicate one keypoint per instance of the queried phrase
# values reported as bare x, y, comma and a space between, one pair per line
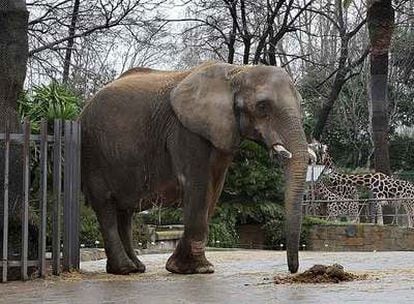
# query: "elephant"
170, 136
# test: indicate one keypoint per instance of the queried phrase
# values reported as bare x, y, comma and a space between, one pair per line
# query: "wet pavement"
243, 276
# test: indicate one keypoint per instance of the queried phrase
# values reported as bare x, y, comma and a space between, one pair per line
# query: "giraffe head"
321, 152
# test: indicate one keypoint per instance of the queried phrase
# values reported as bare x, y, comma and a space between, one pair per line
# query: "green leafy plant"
253, 177
163, 216
53, 101
89, 227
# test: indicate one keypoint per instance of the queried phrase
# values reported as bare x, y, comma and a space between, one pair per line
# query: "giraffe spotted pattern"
380, 185
337, 207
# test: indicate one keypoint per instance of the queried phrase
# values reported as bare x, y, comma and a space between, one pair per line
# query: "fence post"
43, 198
67, 254
71, 196
6, 202
57, 193
76, 189
25, 207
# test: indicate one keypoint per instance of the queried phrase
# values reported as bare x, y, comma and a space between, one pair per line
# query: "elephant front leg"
189, 255
201, 179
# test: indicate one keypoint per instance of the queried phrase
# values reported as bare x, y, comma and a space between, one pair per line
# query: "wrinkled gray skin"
170, 136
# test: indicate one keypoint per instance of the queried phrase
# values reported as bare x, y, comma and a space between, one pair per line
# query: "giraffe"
337, 206
382, 187
379, 184
328, 189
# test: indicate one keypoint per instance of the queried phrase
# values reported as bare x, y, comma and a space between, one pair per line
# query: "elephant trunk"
295, 173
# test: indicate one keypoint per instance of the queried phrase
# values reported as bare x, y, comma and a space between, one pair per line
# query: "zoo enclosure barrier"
64, 149
366, 207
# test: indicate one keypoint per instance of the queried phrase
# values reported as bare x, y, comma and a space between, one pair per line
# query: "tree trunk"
71, 41
338, 83
13, 59
380, 18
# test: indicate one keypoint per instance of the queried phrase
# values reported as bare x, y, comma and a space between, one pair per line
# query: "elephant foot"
123, 268
189, 267
189, 259
139, 265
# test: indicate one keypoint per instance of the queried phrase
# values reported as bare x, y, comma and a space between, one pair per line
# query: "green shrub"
222, 227
140, 232
253, 177
50, 102
163, 216
89, 227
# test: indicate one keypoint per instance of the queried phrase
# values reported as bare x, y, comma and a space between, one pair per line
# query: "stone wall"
360, 238
251, 236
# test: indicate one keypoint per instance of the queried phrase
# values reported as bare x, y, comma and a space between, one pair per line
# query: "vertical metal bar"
72, 196
67, 199
43, 198
6, 201
57, 195
25, 207
78, 192
75, 195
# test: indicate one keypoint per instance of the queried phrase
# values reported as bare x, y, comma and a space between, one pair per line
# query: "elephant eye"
262, 108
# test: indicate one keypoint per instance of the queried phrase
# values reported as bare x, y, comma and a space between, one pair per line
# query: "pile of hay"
320, 274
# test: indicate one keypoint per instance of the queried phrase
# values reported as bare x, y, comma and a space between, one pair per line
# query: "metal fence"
366, 208
63, 147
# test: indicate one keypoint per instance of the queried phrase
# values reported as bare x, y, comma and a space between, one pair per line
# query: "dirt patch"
320, 274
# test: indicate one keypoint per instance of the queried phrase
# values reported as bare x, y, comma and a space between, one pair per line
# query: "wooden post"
43, 198
57, 195
6, 201
25, 205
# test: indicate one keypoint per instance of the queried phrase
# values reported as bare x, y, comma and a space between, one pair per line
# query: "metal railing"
64, 147
370, 205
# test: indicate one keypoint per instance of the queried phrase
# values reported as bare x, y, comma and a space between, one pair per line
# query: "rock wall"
360, 238
251, 236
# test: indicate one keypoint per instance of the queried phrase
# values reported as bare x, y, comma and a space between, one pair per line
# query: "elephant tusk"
282, 151
312, 155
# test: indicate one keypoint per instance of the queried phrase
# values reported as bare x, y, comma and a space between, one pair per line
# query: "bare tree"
244, 31
59, 32
71, 40
343, 71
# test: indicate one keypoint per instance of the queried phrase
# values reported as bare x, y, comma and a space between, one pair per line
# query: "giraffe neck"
328, 162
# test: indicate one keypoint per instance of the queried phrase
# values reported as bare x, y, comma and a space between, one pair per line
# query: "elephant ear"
203, 102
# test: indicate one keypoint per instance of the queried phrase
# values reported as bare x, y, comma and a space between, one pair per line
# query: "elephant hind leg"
125, 232
105, 208
118, 261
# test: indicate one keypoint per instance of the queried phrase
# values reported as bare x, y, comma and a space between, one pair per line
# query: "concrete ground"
242, 276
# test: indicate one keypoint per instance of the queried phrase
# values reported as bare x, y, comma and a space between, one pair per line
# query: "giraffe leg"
395, 219
354, 212
380, 219
408, 208
372, 211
